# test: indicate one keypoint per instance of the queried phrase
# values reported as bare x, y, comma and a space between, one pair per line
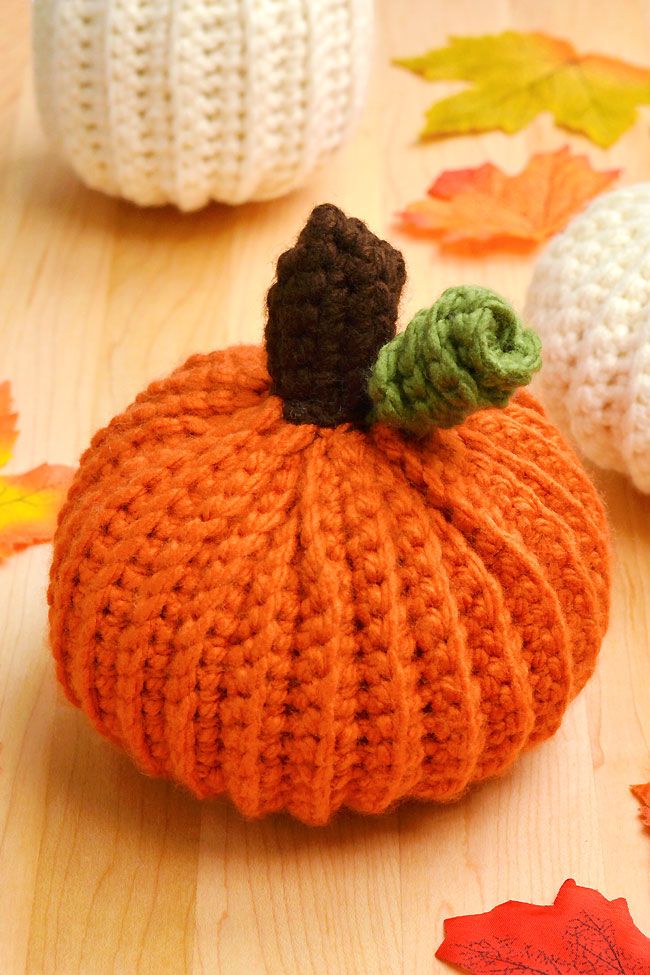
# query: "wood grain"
103, 871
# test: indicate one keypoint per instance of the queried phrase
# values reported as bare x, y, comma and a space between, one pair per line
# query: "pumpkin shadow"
50, 190
108, 794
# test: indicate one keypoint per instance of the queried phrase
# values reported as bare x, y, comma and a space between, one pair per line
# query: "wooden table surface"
105, 871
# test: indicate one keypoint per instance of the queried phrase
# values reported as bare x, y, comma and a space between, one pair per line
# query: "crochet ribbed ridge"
307, 616
172, 101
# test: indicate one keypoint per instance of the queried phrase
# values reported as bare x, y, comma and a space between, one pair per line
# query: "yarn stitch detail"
308, 618
468, 351
185, 102
589, 298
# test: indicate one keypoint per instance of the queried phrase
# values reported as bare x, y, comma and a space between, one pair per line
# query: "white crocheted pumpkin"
184, 101
589, 300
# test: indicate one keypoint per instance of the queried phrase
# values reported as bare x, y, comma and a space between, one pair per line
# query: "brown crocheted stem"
331, 308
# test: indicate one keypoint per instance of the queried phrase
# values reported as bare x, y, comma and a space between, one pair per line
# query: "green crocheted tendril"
467, 352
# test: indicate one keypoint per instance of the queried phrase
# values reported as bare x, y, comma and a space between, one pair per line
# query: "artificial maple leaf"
642, 793
29, 502
516, 76
582, 932
486, 205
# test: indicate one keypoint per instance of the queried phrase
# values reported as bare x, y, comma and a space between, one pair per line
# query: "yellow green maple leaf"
29, 503
516, 76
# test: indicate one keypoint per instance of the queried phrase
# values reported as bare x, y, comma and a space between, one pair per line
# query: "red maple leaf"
582, 933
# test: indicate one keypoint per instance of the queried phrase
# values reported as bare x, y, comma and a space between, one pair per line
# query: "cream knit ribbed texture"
589, 299
184, 101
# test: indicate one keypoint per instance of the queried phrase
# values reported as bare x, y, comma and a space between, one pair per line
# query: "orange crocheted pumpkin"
344, 581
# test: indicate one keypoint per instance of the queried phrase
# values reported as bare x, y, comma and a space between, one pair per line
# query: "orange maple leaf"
642, 793
486, 206
29, 502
